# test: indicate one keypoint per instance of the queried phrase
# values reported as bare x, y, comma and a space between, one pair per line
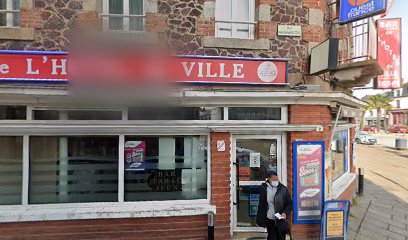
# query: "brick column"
265, 28
221, 184
316, 115
206, 22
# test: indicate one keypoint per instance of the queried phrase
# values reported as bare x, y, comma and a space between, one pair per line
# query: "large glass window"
13, 112
235, 18
76, 115
254, 113
73, 169
165, 168
9, 13
124, 15
176, 113
340, 153
11, 155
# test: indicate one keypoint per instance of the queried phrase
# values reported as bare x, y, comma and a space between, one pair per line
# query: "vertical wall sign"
389, 53
134, 155
308, 185
335, 220
353, 10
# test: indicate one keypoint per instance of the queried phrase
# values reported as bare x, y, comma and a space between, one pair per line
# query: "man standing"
274, 199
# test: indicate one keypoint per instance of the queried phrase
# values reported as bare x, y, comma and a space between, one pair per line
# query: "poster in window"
308, 159
253, 204
135, 152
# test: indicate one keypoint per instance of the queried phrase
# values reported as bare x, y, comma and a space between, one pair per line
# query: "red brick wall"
194, 227
313, 33
318, 115
267, 30
221, 185
349, 192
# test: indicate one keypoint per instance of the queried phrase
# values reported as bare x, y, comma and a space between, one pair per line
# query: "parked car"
365, 138
370, 129
398, 129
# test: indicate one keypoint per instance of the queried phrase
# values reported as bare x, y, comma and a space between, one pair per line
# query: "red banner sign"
389, 53
56, 66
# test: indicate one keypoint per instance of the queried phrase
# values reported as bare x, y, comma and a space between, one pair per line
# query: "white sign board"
289, 30
255, 160
221, 146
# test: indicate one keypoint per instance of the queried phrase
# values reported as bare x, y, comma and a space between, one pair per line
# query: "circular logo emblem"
267, 71
357, 2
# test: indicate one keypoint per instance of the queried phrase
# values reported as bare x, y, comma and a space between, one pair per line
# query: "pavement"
382, 212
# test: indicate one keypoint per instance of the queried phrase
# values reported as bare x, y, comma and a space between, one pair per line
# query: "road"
382, 213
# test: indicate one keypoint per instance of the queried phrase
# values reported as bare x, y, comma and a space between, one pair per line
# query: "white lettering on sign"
188, 70
209, 71
30, 67
4, 68
222, 71
62, 66
238, 71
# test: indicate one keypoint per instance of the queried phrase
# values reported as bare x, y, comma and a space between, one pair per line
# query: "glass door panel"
254, 158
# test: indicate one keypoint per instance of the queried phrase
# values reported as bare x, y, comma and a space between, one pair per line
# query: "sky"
398, 10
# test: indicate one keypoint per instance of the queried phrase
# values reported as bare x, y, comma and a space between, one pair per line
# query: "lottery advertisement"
309, 181
134, 155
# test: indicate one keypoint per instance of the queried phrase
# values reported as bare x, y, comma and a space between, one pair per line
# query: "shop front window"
176, 113
165, 168
254, 113
340, 153
11, 155
76, 115
73, 169
13, 112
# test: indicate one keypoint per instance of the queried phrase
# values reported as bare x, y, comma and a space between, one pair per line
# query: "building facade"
64, 159
398, 116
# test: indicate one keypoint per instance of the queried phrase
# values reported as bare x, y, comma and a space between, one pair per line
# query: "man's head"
273, 176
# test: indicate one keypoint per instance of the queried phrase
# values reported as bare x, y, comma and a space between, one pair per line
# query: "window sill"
235, 43
341, 184
75, 211
8, 33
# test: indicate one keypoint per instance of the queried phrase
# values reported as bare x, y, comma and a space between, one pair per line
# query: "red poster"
389, 53
131, 68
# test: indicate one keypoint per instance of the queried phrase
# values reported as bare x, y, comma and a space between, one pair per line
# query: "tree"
379, 102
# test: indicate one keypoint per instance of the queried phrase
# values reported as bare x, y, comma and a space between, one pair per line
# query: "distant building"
399, 113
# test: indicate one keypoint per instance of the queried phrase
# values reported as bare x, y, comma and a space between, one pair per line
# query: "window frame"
233, 23
125, 17
10, 13
97, 210
346, 163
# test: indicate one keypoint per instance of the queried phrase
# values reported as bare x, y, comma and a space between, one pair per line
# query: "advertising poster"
389, 53
244, 167
135, 155
308, 159
334, 224
253, 204
353, 10
255, 160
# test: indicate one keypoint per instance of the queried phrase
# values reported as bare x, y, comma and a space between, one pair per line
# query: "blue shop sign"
353, 10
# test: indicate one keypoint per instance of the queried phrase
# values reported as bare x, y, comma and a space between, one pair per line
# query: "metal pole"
211, 221
361, 181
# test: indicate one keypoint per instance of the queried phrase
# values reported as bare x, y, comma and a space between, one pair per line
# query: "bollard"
361, 181
211, 221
